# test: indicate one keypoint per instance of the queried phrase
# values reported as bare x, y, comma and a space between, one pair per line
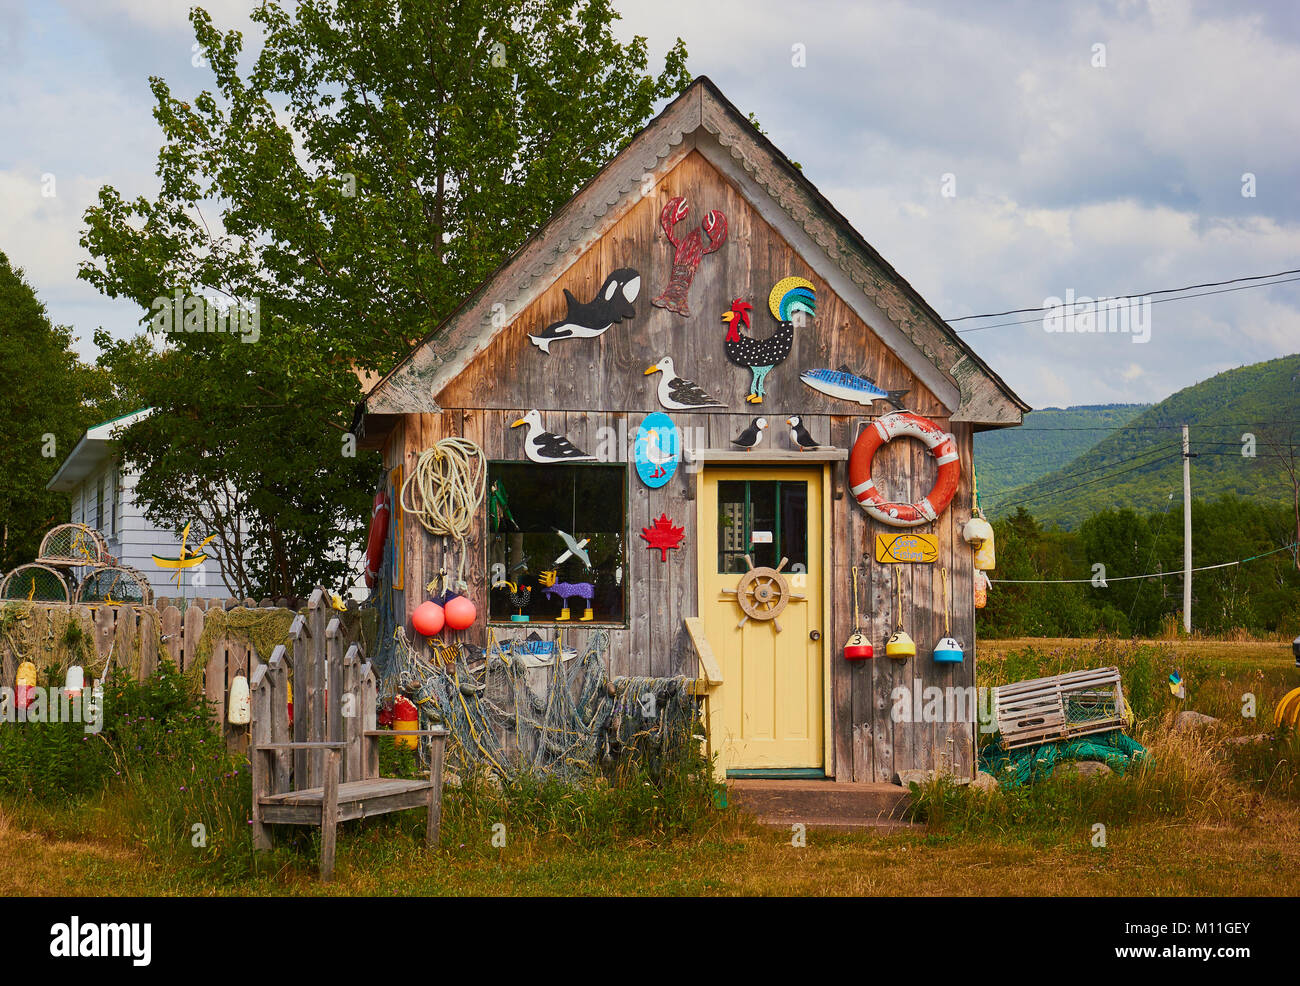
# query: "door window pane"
765, 519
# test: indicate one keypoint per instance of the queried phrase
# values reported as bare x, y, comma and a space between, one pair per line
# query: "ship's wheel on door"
762, 593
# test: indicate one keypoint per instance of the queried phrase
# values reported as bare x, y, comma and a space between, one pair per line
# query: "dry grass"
1192, 823
1148, 858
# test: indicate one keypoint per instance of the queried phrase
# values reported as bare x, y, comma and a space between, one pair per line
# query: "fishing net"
1012, 768
521, 707
74, 544
262, 628
55, 637
115, 585
36, 583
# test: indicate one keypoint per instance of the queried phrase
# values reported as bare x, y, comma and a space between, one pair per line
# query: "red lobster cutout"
690, 250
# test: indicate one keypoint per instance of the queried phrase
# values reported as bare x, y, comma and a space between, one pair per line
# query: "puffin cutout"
799, 437
751, 437
677, 393
543, 447
612, 304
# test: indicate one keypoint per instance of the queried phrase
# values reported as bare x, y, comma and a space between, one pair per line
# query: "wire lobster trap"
115, 584
74, 544
1063, 706
36, 583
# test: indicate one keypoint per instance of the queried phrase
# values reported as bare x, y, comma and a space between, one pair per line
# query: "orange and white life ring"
941, 445
378, 535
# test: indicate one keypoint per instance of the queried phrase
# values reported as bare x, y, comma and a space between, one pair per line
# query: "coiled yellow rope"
445, 491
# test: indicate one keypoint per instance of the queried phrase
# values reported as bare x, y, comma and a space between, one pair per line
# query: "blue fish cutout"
848, 386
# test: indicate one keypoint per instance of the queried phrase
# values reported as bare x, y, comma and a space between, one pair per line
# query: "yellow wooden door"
772, 715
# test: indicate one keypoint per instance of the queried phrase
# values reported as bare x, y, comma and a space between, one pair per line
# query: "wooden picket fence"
116, 629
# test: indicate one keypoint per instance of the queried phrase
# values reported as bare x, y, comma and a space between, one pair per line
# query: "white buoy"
75, 681
240, 705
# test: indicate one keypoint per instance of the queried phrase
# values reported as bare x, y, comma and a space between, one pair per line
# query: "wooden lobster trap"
1063, 706
75, 545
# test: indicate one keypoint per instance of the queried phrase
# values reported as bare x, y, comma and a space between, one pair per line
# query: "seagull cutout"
544, 447
655, 453
677, 393
576, 549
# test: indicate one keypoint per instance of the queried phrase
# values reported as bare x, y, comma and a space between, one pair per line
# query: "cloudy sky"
992, 152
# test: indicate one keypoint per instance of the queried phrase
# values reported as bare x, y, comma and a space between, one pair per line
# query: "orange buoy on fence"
884, 430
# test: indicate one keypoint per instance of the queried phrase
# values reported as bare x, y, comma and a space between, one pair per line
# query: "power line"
1084, 472
1194, 424
1149, 575
1057, 492
1158, 301
1141, 294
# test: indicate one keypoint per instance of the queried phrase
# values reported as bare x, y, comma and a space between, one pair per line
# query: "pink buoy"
461, 612
428, 618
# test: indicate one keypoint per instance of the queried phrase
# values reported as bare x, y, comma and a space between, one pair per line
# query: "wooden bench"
325, 768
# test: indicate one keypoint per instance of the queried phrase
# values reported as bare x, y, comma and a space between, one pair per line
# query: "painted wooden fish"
848, 386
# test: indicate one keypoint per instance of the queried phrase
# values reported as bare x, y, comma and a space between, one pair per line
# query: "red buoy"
428, 618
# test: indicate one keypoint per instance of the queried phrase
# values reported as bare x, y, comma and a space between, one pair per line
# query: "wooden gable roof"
702, 121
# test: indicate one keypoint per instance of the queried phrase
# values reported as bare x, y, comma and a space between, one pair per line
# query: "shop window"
532, 509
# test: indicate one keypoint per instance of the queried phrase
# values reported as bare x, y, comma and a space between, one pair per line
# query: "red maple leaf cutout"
663, 535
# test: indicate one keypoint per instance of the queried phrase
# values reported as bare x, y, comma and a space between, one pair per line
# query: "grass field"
1207, 818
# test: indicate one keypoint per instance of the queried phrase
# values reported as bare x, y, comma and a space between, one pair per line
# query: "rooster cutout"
663, 535
788, 295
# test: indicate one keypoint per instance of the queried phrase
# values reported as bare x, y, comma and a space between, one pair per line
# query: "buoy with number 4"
947, 650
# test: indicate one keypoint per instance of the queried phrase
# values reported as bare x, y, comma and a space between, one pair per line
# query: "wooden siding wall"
586, 385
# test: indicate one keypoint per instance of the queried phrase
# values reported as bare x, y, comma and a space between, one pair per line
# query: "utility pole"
1187, 532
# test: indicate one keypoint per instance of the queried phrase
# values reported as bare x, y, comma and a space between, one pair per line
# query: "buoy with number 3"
858, 647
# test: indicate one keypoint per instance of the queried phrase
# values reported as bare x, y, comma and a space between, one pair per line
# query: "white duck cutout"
677, 393
544, 447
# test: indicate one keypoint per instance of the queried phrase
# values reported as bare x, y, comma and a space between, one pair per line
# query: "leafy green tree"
44, 407
373, 164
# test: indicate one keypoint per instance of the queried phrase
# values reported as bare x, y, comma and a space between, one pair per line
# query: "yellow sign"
918, 548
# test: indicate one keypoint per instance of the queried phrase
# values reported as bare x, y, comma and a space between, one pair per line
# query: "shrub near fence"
210, 641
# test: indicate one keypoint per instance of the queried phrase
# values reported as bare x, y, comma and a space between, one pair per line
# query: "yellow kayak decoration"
188, 558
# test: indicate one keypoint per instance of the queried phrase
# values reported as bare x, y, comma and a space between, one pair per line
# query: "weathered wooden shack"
700, 211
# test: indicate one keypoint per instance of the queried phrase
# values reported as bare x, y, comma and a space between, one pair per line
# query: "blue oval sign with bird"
658, 449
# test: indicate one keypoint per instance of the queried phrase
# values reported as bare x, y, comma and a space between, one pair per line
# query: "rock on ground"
1187, 719
1082, 768
984, 781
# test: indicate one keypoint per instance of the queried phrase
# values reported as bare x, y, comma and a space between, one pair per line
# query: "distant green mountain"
1139, 465
1050, 439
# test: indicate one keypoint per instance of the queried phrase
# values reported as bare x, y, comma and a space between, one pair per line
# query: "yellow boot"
564, 615
588, 615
